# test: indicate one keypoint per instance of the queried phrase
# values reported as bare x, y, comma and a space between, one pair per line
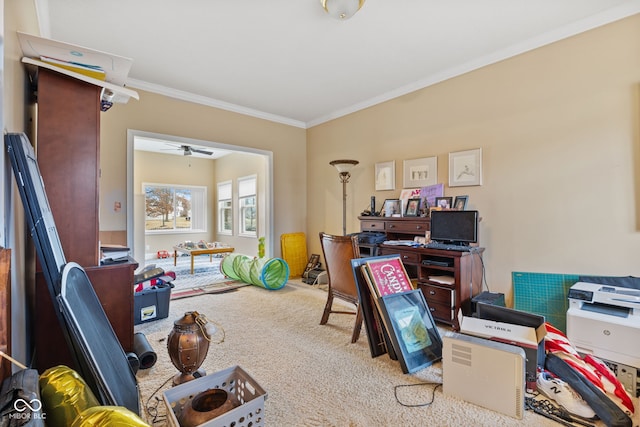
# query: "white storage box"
530, 338
243, 390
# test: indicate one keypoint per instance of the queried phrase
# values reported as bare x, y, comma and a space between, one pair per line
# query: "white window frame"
225, 202
247, 190
198, 208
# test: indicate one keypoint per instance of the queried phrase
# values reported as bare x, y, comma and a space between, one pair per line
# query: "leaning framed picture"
385, 176
413, 207
413, 333
465, 168
420, 172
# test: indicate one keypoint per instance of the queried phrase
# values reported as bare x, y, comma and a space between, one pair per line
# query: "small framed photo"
392, 207
413, 207
444, 202
420, 172
461, 203
385, 176
412, 331
465, 168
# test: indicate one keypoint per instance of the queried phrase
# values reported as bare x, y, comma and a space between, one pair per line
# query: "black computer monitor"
455, 227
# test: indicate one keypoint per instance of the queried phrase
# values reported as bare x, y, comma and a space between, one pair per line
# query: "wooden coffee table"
198, 251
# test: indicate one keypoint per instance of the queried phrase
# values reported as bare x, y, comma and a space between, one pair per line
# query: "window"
248, 206
175, 209
225, 210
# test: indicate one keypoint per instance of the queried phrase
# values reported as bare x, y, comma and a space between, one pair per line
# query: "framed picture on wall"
385, 176
420, 172
465, 168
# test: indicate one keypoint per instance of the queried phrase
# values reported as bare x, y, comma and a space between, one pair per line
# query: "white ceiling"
289, 62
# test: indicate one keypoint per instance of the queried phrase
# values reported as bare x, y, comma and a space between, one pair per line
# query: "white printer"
604, 321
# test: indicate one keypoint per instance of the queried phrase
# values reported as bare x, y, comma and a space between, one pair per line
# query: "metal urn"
188, 344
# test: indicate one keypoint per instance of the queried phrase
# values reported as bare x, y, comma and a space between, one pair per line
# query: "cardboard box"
514, 327
151, 304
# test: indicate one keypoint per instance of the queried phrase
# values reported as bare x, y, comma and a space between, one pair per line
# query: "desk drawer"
407, 257
438, 294
372, 225
441, 312
412, 227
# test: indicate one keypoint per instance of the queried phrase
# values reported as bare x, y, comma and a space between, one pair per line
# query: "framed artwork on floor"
413, 333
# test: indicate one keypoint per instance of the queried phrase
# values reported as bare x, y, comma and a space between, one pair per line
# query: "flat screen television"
454, 227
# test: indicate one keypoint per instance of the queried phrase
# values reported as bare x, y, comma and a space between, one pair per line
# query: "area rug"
206, 278
214, 288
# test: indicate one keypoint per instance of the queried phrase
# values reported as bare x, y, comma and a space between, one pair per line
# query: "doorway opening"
180, 158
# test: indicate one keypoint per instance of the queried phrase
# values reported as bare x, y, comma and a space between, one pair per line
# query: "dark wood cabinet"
68, 153
448, 279
113, 285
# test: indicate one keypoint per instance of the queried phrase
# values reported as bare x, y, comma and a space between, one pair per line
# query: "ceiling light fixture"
342, 9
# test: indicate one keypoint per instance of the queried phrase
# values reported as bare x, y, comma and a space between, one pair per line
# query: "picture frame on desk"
413, 207
460, 203
444, 202
392, 208
413, 332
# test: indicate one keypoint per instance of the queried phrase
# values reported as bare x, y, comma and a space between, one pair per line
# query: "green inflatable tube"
269, 273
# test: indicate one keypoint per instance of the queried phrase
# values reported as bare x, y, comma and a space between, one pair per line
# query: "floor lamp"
344, 166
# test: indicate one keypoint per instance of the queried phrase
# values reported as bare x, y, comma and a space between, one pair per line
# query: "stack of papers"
401, 243
113, 253
446, 280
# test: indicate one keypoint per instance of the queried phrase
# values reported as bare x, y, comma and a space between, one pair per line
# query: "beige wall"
230, 168
559, 130
160, 114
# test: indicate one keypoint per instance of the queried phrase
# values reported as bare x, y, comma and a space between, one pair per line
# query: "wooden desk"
448, 279
198, 251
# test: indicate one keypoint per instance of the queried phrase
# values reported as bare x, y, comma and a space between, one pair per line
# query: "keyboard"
448, 247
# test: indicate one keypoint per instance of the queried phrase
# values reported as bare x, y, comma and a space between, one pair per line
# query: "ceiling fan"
188, 150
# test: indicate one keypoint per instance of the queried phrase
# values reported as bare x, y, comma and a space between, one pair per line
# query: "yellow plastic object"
64, 395
108, 416
294, 252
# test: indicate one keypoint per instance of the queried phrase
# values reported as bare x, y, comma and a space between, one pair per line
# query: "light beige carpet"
313, 375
